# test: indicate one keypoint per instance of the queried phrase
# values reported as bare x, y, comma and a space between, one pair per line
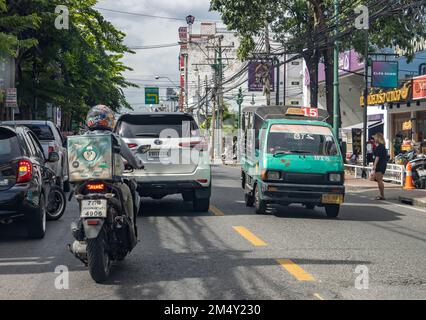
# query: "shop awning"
371, 124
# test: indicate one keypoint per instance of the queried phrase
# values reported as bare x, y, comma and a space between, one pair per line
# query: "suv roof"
128, 115
39, 122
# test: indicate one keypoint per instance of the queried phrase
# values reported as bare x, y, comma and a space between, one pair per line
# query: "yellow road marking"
295, 270
216, 211
250, 237
316, 295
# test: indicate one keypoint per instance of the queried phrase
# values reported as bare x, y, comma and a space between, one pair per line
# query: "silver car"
178, 161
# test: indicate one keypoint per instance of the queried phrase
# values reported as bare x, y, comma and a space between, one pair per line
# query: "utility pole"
267, 83
285, 80
207, 97
336, 99
240, 99
365, 125
277, 61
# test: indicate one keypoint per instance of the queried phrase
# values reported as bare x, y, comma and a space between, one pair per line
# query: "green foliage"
72, 69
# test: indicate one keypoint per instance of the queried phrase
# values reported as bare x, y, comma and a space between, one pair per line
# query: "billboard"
419, 88
385, 74
258, 72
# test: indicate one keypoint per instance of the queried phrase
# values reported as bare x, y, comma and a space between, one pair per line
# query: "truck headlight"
273, 175
335, 177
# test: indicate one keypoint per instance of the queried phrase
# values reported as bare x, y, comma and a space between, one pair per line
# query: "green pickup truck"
290, 155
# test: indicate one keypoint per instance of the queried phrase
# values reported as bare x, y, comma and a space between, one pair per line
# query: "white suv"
177, 162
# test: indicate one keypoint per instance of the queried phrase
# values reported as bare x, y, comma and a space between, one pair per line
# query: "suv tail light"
25, 171
132, 145
50, 148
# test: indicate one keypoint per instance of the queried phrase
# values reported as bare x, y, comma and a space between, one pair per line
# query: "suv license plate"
93, 209
332, 198
159, 154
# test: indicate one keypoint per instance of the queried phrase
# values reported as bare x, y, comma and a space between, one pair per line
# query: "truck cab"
290, 156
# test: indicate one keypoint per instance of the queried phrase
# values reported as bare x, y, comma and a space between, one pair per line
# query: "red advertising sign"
310, 112
419, 88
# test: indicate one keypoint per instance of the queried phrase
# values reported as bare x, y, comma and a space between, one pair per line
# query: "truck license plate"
332, 198
93, 209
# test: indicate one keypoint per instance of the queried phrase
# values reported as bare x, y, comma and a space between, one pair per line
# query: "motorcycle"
104, 232
419, 171
57, 201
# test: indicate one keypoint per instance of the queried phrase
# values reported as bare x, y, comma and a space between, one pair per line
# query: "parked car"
25, 179
51, 141
178, 161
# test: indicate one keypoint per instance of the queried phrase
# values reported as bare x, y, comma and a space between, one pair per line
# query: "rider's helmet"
100, 117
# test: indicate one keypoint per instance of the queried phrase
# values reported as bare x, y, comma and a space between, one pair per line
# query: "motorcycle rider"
101, 120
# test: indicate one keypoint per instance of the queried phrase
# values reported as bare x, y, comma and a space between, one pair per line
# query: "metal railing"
394, 173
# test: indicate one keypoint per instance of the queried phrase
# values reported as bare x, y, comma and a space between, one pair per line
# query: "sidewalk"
415, 198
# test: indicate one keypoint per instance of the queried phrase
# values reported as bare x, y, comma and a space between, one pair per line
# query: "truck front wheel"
259, 204
332, 210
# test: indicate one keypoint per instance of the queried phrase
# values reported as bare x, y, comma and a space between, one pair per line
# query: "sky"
145, 31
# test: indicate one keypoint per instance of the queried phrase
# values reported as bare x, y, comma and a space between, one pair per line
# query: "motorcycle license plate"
93, 209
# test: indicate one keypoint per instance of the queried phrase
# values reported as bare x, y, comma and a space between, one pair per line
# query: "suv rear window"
151, 126
42, 131
9, 143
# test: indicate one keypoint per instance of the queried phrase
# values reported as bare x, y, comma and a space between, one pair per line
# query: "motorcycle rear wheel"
98, 259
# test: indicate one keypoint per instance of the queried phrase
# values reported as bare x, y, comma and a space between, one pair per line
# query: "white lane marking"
383, 205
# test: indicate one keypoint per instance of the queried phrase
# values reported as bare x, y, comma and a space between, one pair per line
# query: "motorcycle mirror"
144, 148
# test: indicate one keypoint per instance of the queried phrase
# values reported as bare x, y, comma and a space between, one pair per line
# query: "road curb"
415, 202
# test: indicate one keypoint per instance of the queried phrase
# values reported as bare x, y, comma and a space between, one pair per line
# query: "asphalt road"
232, 253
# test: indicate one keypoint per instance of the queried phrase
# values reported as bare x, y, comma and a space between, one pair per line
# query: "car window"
154, 126
37, 146
42, 131
8, 146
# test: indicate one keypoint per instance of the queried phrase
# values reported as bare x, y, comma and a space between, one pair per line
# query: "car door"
40, 161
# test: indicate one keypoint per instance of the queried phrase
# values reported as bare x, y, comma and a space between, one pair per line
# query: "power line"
148, 15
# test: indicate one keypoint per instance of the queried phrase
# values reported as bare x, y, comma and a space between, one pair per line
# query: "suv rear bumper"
149, 189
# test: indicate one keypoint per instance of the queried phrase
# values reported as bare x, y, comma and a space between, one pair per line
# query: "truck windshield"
301, 139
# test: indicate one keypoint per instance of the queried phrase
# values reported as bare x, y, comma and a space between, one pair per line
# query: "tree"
72, 69
308, 28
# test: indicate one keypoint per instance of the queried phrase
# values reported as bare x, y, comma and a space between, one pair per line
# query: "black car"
25, 179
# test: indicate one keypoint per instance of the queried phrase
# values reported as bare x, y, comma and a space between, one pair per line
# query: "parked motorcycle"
419, 171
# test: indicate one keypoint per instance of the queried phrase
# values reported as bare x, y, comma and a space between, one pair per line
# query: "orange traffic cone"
409, 185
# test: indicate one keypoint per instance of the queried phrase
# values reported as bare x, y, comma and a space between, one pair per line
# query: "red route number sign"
310, 112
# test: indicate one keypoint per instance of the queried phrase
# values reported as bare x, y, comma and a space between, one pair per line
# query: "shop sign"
385, 74
419, 88
382, 97
407, 125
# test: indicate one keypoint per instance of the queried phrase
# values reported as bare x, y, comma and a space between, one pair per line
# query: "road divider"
250, 237
295, 270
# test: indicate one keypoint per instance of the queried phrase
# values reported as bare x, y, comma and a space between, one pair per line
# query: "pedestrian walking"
380, 164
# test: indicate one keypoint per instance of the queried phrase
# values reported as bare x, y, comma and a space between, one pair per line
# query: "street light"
173, 83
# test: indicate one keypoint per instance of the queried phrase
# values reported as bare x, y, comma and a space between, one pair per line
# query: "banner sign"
258, 72
11, 98
393, 96
385, 74
419, 88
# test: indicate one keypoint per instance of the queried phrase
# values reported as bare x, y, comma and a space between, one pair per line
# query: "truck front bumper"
319, 195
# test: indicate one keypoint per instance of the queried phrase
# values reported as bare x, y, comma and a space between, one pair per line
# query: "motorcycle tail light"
95, 186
